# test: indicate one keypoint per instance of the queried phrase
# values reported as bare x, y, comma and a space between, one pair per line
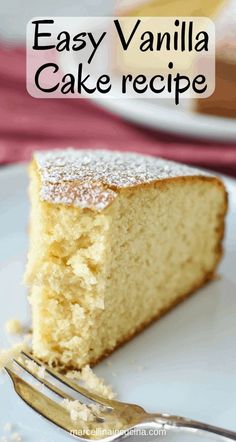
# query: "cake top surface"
91, 178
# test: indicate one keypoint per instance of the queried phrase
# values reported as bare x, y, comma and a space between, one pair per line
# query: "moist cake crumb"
86, 415
92, 382
79, 411
6, 355
35, 368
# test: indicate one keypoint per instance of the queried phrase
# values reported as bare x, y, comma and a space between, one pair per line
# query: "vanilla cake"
116, 240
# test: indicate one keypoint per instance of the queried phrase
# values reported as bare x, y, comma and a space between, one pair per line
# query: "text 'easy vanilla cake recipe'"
116, 240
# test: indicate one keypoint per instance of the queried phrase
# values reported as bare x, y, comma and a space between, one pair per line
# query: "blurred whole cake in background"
223, 101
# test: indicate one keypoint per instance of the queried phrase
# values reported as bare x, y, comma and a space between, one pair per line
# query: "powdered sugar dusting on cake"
91, 178
84, 195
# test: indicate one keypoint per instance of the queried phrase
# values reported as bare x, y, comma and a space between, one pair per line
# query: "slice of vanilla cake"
116, 240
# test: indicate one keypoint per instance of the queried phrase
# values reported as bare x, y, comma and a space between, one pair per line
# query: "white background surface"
183, 364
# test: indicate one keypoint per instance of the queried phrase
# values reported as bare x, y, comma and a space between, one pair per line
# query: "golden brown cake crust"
92, 179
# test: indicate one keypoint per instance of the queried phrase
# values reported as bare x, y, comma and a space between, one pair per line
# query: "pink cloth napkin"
27, 124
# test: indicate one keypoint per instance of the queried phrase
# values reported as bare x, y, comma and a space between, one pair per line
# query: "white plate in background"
161, 114
183, 364
165, 116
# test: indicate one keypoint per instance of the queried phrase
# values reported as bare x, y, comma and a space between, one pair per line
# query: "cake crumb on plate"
6, 355
7, 427
16, 437
13, 327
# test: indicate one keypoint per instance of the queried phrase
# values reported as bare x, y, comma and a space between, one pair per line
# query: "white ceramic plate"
183, 364
165, 116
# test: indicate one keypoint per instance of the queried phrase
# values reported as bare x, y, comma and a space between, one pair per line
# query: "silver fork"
130, 416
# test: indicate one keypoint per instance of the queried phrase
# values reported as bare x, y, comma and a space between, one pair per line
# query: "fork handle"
180, 423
